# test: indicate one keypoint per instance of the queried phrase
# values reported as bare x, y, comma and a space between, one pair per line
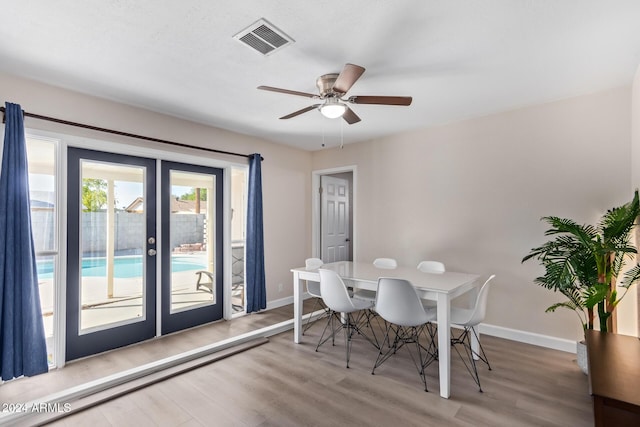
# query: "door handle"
152, 252
347, 240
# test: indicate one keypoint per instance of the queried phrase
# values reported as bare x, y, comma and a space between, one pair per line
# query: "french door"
112, 249
191, 245
111, 263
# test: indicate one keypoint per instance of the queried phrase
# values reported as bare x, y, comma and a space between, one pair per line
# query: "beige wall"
471, 194
286, 174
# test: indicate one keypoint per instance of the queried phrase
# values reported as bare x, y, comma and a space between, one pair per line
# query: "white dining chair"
313, 289
431, 267
385, 263
469, 319
398, 303
354, 311
388, 263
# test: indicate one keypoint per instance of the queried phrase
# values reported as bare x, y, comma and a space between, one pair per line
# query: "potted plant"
584, 262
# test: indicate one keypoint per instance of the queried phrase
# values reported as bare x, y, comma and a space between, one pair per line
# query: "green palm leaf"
582, 261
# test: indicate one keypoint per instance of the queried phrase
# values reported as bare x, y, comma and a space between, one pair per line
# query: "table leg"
297, 308
444, 344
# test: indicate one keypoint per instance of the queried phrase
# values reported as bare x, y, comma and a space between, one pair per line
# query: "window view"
42, 185
112, 241
192, 230
238, 204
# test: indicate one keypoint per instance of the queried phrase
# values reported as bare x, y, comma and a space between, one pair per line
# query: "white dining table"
439, 287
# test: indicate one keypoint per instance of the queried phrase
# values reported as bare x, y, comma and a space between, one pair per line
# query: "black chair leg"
469, 358
317, 302
329, 326
403, 336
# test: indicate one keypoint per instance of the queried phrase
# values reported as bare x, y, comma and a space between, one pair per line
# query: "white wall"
286, 176
471, 194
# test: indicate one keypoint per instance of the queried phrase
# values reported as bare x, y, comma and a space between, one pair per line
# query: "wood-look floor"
285, 384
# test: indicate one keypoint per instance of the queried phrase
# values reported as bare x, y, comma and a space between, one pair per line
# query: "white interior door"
335, 227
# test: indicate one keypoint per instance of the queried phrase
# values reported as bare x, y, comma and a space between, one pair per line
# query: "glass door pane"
238, 214
191, 231
112, 241
41, 154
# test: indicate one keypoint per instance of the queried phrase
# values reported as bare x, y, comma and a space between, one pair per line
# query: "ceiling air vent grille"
263, 37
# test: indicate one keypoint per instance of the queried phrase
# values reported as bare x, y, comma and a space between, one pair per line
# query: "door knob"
152, 252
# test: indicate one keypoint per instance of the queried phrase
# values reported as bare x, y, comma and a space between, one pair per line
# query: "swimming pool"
124, 267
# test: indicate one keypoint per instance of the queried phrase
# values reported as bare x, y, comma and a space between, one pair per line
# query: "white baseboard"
279, 303
529, 338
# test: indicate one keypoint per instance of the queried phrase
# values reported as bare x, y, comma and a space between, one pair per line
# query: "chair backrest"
313, 288
334, 292
480, 309
431, 267
398, 302
313, 263
385, 263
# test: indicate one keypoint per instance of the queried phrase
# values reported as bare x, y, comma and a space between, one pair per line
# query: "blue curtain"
23, 348
256, 289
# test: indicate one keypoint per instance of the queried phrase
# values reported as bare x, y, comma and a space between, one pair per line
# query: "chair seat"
406, 320
313, 289
355, 313
366, 295
460, 316
427, 303
431, 314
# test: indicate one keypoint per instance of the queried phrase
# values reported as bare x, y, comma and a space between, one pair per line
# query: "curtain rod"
132, 135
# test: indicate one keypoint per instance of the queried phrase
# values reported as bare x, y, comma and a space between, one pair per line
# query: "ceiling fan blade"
350, 117
297, 113
349, 75
381, 100
287, 91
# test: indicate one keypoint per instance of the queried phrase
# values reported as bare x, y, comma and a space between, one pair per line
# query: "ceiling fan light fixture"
332, 108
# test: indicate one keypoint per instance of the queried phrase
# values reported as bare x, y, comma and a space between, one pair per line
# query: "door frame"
316, 207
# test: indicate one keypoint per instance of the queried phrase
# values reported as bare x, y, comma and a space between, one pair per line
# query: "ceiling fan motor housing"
325, 85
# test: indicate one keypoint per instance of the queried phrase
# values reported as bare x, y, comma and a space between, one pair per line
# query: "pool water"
123, 267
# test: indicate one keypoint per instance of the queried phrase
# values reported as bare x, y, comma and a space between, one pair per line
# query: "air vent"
263, 37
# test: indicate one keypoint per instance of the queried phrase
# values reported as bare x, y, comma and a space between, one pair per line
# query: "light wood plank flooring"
284, 384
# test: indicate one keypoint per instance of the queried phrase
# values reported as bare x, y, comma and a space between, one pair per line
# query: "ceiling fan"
332, 89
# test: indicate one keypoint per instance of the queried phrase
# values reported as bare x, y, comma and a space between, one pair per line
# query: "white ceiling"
458, 59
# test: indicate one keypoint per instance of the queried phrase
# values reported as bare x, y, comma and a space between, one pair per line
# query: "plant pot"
581, 356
